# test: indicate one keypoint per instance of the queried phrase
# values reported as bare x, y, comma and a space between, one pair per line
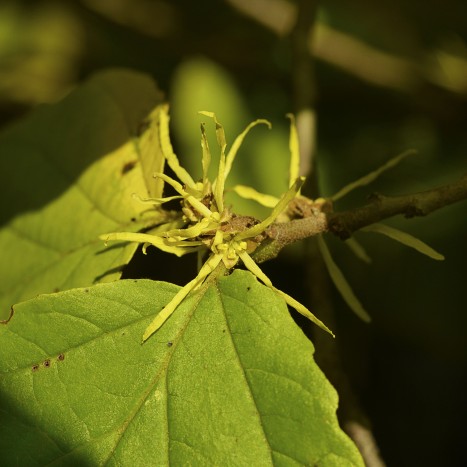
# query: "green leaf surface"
228, 380
67, 173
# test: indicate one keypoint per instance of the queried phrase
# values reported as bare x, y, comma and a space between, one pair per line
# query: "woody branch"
343, 224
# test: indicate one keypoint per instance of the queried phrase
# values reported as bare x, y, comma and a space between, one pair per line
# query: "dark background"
389, 75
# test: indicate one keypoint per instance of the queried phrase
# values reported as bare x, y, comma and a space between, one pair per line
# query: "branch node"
414, 211
375, 197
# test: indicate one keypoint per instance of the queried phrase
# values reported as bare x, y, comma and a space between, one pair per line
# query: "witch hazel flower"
209, 227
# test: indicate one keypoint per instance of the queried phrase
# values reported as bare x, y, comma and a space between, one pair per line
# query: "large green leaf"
67, 173
228, 380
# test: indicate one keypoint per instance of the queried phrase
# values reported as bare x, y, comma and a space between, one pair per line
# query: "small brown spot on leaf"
47, 363
128, 166
169, 344
5, 321
143, 126
35, 368
61, 357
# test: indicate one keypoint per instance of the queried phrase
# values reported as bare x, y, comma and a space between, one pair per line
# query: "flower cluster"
207, 225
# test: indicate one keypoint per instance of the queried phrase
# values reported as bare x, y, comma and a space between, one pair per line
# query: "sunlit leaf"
67, 174
228, 380
168, 152
151, 154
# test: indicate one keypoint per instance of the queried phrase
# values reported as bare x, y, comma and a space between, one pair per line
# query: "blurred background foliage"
390, 75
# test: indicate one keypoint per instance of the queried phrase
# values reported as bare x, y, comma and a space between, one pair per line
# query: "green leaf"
68, 172
405, 239
228, 380
150, 152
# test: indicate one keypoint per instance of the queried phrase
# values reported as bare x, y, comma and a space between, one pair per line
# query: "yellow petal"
198, 205
211, 263
155, 200
358, 250
372, 175
238, 142
206, 160
173, 183
285, 199
250, 193
303, 310
219, 183
201, 227
255, 269
165, 313
341, 283
156, 241
220, 133
405, 239
294, 168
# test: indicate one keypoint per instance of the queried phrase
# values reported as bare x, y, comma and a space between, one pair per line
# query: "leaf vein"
248, 383
24, 236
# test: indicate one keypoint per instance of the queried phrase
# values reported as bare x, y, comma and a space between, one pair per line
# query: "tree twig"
344, 224
381, 207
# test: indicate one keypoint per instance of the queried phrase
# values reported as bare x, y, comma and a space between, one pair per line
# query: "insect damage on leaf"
128, 166
208, 227
6, 321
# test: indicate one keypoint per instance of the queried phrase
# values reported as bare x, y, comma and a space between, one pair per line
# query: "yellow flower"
207, 224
